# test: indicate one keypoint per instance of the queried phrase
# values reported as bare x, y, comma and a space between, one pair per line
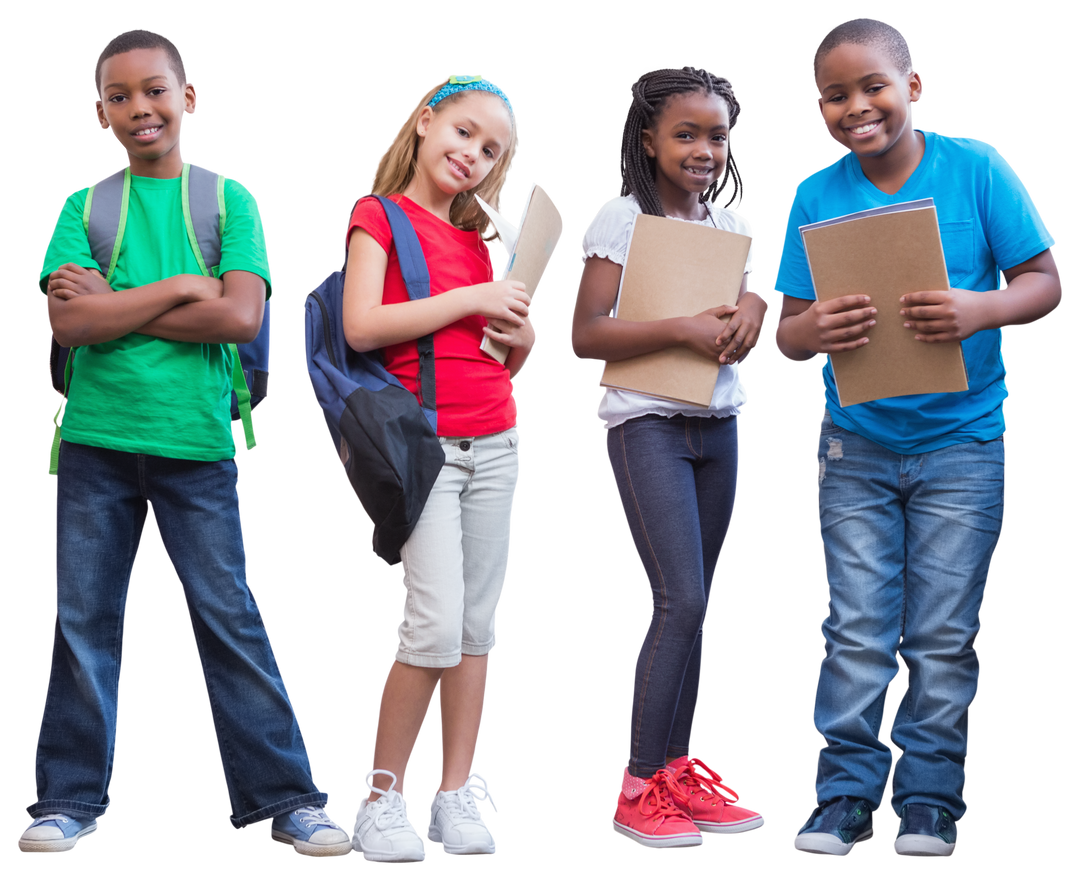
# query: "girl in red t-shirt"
456, 145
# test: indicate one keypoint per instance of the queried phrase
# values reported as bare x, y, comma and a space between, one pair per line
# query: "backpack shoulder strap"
105, 217
204, 214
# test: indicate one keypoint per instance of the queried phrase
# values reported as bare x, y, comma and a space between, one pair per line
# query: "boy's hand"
839, 325
71, 280
944, 316
703, 331
743, 329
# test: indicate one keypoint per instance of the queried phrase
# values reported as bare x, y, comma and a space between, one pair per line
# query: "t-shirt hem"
122, 445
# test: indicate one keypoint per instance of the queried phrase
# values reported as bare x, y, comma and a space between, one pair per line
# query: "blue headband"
469, 84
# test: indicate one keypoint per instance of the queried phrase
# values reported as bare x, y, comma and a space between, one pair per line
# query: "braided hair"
651, 93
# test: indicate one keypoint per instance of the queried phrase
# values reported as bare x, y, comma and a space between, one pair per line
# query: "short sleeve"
243, 245
794, 278
1014, 231
68, 243
369, 216
608, 236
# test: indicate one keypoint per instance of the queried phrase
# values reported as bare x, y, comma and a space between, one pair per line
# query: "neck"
429, 197
163, 168
681, 203
891, 170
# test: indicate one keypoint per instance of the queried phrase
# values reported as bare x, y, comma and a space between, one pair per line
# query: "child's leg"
954, 513
461, 697
714, 477
404, 704
100, 515
262, 751
862, 528
654, 460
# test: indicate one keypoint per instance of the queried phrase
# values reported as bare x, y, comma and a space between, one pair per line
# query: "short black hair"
651, 94
130, 40
867, 32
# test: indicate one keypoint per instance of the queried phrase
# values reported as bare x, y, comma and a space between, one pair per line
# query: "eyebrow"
688, 124
862, 79
149, 79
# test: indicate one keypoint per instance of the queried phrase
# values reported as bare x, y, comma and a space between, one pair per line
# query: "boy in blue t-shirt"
911, 488
148, 421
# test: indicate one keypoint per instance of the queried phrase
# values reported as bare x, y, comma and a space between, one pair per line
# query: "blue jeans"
100, 511
676, 476
908, 541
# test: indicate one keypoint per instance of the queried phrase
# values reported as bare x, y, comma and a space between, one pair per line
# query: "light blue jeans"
455, 559
101, 506
908, 541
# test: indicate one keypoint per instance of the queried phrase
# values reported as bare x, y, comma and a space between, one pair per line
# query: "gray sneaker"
383, 832
925, 831
455, 819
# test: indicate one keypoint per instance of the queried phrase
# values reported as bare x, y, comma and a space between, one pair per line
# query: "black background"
299, 112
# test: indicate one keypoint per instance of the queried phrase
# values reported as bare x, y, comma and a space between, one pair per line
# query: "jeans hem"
417, 659
78, 810
318, 799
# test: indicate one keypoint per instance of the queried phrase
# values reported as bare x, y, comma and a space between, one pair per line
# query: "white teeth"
863, 129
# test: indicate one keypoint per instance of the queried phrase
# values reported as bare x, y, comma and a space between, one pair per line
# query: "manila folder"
675, 269
885, 253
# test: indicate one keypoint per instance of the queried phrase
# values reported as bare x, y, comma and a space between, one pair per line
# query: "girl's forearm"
391, 323
612, 339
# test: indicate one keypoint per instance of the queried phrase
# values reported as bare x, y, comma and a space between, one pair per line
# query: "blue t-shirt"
988, 223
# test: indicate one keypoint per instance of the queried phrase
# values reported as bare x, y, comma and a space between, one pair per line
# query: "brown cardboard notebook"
540, 231
885, 253
674, 269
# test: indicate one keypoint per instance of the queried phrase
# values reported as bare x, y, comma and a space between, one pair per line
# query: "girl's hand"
704, 330
944, 316
504, 301
71, 280
516, 336
743, 329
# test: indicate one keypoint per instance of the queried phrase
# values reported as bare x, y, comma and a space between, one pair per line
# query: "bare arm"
369, 324
1032, 290
234, 317
809, 327
519, 338
84, 310
597, 335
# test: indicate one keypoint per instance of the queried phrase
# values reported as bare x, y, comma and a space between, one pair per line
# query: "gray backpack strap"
204, 214
105, 219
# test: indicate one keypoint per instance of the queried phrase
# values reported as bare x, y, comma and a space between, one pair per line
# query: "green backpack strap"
204, 216
54, 455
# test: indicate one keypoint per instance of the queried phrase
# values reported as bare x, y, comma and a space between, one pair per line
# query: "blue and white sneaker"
55, 832
311, 832
925, 831
836, 827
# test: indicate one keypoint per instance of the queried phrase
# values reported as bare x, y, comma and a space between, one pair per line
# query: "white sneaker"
383, 832
455, 819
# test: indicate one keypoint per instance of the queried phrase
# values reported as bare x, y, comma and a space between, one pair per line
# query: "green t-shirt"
138, 393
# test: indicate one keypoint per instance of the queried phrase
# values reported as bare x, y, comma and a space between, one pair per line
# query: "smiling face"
865, 101
143, 103
461, 140
689, 144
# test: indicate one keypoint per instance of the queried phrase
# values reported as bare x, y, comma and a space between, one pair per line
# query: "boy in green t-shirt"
147, 420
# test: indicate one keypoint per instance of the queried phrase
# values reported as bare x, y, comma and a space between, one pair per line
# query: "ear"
914, 87
189, 98
647, 143
424, 120
101, 115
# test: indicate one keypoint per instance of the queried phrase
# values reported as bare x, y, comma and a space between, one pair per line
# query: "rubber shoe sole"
728, 828
56, 845
826, 843
923, 846
687, 840
435, 835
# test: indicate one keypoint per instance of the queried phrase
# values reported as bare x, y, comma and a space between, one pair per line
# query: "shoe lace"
461, 803
63, 818
313, 816
389, 810
656, 798
695, 776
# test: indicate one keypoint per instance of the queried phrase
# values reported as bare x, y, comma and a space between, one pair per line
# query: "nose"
137, 107
858, 105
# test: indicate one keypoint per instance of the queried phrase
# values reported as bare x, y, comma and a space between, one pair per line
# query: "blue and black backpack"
385, 438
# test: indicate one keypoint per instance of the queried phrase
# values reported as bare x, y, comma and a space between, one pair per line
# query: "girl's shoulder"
609, 234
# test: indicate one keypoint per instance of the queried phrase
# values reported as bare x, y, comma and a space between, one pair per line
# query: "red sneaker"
698, 790
653, 818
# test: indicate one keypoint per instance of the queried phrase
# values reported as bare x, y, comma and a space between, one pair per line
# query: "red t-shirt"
472, 390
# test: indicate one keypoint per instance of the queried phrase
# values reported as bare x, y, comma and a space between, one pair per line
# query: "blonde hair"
397, 168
